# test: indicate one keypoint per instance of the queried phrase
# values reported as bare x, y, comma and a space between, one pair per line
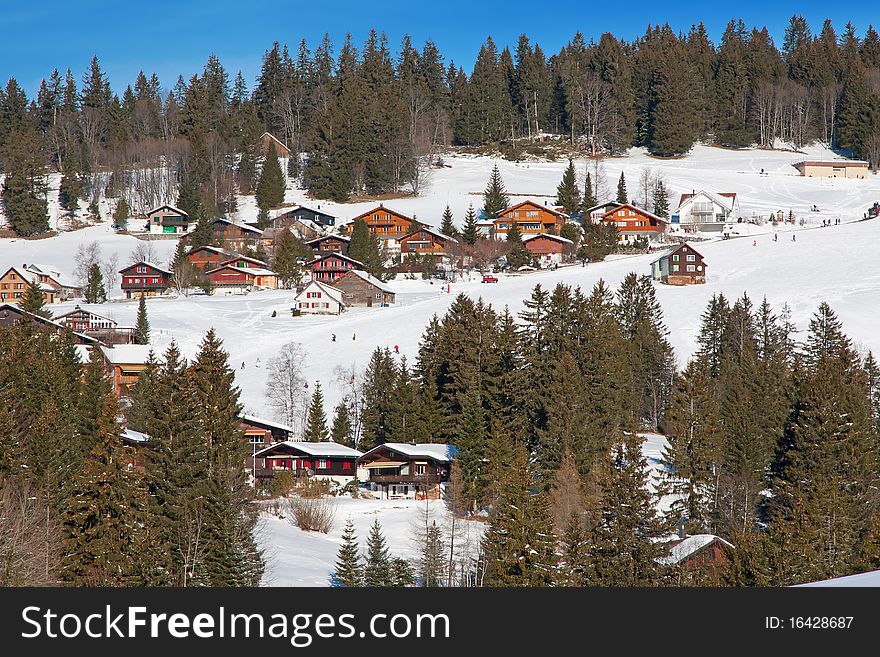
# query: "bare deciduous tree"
286, 387
30, 542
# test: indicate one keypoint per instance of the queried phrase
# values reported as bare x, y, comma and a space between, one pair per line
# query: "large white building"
706, 211
320, 299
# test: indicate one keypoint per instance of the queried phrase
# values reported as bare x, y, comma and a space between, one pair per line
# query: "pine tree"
24, 187
364, 247
432, 563
270, 188
470, 440
447, 227
575, 553
621, 189
290, 254
378, 397
121, 214
316, 423
495, 198
518, 544
402, 573
469, 233
94, 291
589, 199
142, 326
377, 565
661, 200
568, 195
341, 431
32, 301
349, 570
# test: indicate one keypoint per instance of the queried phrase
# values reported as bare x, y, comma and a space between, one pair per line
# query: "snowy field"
297, 558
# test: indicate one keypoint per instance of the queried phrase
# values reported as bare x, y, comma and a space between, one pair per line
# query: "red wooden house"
425, 240
232, 279
321, 460
144, 279
330, 267
208, 257
386, 224
548, 249
633, 223
330, 244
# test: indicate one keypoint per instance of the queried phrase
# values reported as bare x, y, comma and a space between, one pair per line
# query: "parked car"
489, 278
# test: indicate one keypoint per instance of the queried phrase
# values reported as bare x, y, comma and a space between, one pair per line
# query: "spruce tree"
447, 227
589, 199
270, 188
142, 326
24, 186
470, 233
432, 563
568, 195
495, 198
402, 573
290, 254
32, 300
316, 422
349, 569
575, 553
121, 214
661, 200
364, 247
377, 565
341, 430
621, 189
94, 291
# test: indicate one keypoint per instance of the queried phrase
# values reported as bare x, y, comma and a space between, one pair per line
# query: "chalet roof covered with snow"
372, 280
127, 354
333, 292
148, 264
535, 204
602, 206
436, 451
47, 270
334, 254
328, 448
334, 236
639, 210
80, 309
435, 233
269, 424
689, 546
137, 437
724, 199
549, 236
245, 227
169, 207
212, 249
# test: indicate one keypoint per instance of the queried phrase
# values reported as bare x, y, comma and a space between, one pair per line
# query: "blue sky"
171, 37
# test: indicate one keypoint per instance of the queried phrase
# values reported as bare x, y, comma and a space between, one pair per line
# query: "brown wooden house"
168, 220
232, 279
531, 218
65, 287
330, 244
236, 237
633, 223
267, 138
361, 289
124, 364
425, 240
304, 215
208, 257
12, 315
406, 470
259, 434
330, 267
682, 265
14, 282
385, 224
320, 460
144, 279
548, 249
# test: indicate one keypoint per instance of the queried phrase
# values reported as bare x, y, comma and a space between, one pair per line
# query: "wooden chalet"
682, 265
12, 315
385, 224
14, 282
103, 328
319, 299
634, 223
301, 213
531, 218
208, 257
330, 244
268, 138
696, 550
124, 364
424, 240
330, 267
259, 434
594, 214
406, 470
144, 279
548, 249
361, 289
232, 279
168, 220
319, 460
65, 287
236, 237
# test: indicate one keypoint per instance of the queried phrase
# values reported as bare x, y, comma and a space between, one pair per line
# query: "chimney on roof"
682, 534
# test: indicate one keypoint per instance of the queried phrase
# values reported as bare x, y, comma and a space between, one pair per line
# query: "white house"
706, 211
169, 219
594, 214
320, 299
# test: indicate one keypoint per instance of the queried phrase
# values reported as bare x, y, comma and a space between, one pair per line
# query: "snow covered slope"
871, 579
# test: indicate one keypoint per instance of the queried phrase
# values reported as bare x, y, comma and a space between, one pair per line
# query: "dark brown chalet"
12, 315
144, 279
361, 289
330, 267
268, 139
425, 240
204, 258
319, 460
235, 236
330, 244
385, 224
301, 213
407, 470
260, 434
683, 265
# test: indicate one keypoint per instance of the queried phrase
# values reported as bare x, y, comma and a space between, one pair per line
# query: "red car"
489, 278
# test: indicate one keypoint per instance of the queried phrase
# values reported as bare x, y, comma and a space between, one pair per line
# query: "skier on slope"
332, 337
396, 349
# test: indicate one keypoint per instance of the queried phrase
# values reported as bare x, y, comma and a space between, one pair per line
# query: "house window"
674, 267
420, 469
140, 270
692, 258
321, 464
346, 465
691, 268
675, 258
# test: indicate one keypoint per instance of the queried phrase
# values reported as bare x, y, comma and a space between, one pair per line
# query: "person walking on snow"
332, 337
754, 242
794, 238
396, 350
242, 364
353, 336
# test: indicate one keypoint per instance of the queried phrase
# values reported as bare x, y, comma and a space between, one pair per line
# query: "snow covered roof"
126, 354
549, 236
372, 280
689, 546
213, 249
170, 207
435, 233
45, 287
672, 250
486, 222
328, 448
148, 264
79, 309
334, 293
724, 199
133, 436
650, 215
253, 419
54, 272
334, 236
334, 254
244, 227
435, 451
236, 257
546, 208
599, 206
